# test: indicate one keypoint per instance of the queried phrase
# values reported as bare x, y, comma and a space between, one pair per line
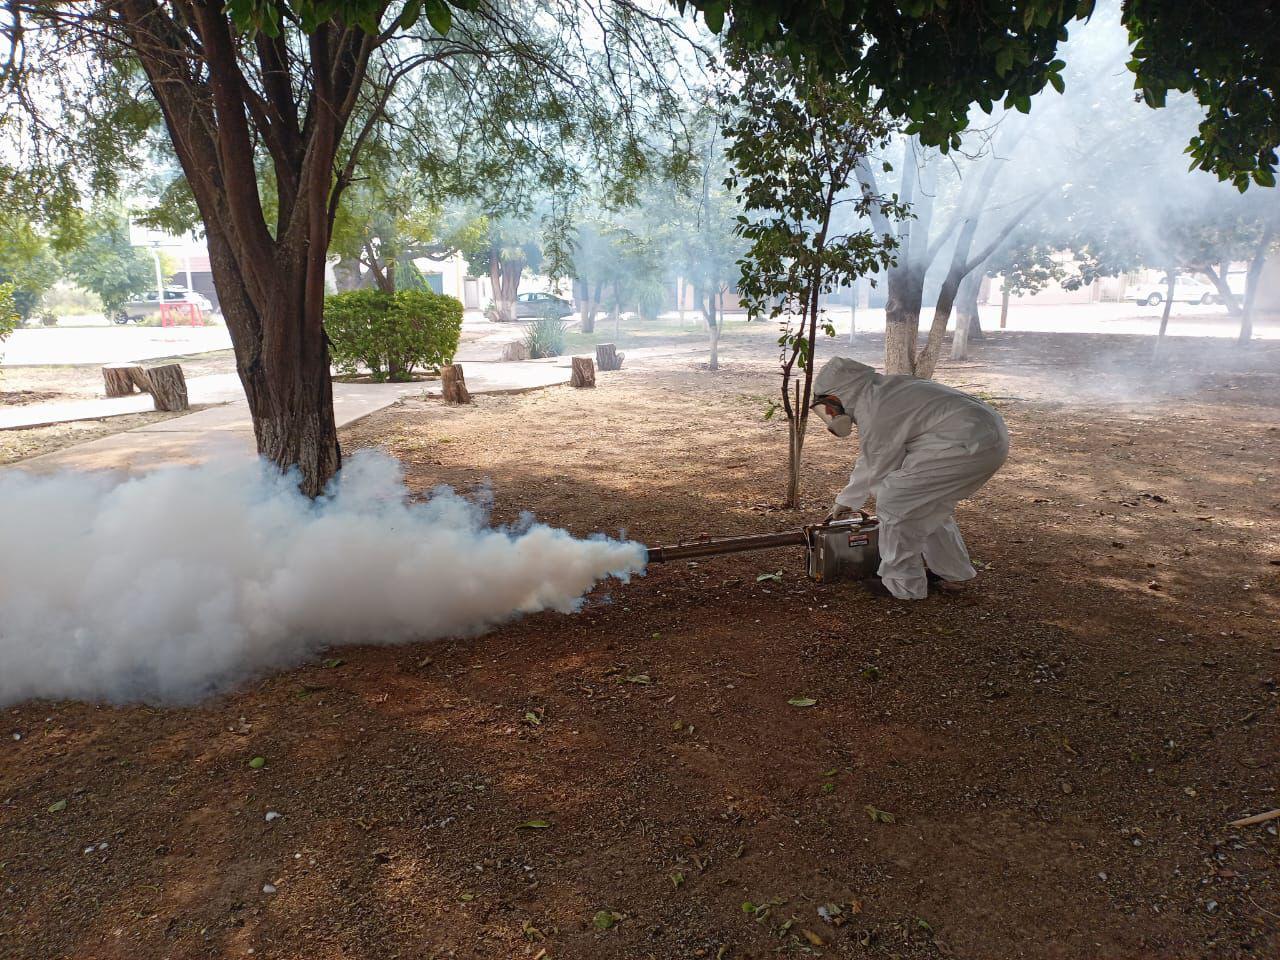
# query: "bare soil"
1041, 764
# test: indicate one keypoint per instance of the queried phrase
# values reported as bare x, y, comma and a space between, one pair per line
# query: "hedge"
391, 334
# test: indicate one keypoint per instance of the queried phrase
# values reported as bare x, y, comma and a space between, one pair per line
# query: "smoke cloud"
173, 586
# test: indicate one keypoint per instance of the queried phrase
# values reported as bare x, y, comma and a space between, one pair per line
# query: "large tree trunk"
706, 300
504, 276
1218, 278
1251, 283
1164, 317
591, 305
282, 358
853, 312
966, 315
346, 275
270, 281
902, 320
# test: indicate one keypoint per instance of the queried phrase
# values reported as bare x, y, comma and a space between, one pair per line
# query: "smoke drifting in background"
179, 584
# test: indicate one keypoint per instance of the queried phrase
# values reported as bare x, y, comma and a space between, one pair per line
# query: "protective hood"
846, 380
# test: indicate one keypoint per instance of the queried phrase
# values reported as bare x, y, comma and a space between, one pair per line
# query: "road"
40, 346
91, 345
1185, 320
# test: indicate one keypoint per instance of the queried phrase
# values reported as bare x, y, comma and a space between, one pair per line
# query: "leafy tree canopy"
929, 61
105, 264
27, 263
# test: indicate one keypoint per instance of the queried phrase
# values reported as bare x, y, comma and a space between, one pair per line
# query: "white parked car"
149, 305
1185, 290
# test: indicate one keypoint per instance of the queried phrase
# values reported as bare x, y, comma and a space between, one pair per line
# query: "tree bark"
168, 387
453, 385
853, 311
1164, 317
590, 305
514, 352
121, 378
902, 320
346, 275
583, 372
1252, 277
607, 357
282, 357
966, 314
504, 276
1219, 280
706, 300
1004, 303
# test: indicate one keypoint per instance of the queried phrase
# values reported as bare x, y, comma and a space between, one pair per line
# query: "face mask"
841, 425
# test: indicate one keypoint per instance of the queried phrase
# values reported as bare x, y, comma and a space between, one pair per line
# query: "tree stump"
584, 373
608, 357
453, 384
514, 351
168, 387
121, 378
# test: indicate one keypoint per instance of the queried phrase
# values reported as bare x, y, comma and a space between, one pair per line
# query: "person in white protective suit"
923, 448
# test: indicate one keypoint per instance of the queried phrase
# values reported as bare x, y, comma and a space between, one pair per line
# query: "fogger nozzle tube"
722, 545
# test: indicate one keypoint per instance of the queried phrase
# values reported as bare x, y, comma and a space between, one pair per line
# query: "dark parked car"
534, 306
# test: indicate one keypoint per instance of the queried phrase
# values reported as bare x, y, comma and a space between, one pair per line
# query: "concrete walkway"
215, 388
227, 430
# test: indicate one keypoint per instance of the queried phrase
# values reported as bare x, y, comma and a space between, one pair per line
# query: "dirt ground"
1041, 764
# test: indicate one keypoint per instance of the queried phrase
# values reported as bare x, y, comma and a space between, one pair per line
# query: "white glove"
840, 512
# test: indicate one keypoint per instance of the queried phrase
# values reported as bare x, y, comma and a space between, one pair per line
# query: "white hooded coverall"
923, 447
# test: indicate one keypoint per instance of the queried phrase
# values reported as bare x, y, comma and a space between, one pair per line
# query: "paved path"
215, 388
227, 430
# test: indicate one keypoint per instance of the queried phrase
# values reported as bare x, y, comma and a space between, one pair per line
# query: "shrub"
651, 294
545, 337
9, 319
391, 334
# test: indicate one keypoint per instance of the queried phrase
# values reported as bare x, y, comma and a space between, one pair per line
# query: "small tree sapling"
794, 143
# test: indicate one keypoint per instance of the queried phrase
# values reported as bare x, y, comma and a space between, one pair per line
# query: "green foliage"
795, 144
650, 294
545, 337
26, 263
9, 319
105, 264
391, 334
1228, 57
1027, 268
625, 256
926, 61
929, 61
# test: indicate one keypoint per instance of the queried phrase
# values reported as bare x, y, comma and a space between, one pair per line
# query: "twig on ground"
1256, 818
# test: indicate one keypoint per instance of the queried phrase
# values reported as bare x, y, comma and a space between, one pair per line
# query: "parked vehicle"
137, 311
539, 305
1185, 290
